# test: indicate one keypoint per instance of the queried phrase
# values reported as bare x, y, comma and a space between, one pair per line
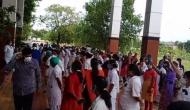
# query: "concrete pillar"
152, 26
11, 29
113, 44
10, 32
20, 17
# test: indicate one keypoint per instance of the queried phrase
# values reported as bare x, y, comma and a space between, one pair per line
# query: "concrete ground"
6, 98
40, 99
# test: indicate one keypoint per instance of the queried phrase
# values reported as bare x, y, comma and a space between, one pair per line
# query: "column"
20, 17
152, 26
113, 44
10, 31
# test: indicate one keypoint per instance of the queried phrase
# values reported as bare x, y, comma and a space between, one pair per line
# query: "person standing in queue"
113, 82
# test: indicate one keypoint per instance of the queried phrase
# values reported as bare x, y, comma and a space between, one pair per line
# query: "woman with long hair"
103, 100
90, 81
72, 96
131, 96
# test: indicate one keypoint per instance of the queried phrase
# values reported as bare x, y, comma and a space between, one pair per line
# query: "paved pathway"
6, 98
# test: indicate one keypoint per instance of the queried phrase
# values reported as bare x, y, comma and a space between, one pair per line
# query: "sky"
175, 17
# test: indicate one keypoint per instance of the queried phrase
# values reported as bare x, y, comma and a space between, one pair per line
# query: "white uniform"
113, 78
9, 51
184, 94
66, 60
54, 92
87, 64
71, 60
99, 104
133, 89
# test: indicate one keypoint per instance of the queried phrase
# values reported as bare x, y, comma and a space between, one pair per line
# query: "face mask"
27, 59
35, 48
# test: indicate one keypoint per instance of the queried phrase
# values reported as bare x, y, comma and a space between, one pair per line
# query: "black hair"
134, 69
166, 65
179, 60
105, 64
187, 74
148, 59
8, 41
113, 63
88, 55
142, 59
104, 94
115, 57
26, 51
34, 45
94, 64
77, 67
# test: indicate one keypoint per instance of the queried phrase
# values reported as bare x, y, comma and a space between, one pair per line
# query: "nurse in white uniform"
113, 82
131, 97
55, 84
103, 100
9, 52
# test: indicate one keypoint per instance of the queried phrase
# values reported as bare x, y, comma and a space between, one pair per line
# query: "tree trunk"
58, 38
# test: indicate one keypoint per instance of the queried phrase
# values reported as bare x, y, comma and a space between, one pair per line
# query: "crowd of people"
85, 78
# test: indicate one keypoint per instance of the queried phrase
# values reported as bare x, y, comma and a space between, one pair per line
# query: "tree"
98, 20
131, 25
5, 20
99, 17
187, 46
180, 45
40, 34
59, 19
29, 18
29, 7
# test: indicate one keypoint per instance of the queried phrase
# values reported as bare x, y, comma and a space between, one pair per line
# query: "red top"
72, 93
152, 76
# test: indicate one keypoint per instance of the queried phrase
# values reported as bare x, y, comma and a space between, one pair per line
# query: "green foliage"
163, 49
5, 20
98, 21
29, 18
184, 45
29, 7
27, 28
130, 27
43, 34
61, 21
175, 53
187, 46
